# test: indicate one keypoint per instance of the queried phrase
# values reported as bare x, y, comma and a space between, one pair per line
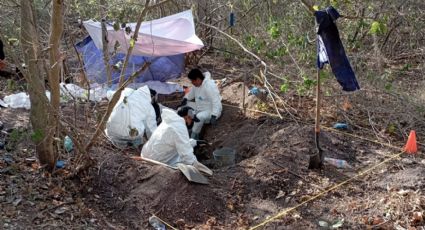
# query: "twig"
50, 209
233, 184
122, 83
112, 104
134, 38
310, 8
289, 171
253, 55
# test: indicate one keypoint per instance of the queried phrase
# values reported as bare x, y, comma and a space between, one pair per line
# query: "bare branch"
112, 104
308, 6
266, 85
136, 34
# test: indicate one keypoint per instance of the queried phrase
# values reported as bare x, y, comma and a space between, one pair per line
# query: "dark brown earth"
270, 175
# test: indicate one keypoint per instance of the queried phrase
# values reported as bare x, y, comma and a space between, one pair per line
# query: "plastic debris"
254, 91
60, 164
67, 144
3, 104
156, 223
7, 158
337, 162
341, 126
323, 224
338, 224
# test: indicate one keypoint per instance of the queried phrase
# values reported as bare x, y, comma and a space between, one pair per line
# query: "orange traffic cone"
411, 146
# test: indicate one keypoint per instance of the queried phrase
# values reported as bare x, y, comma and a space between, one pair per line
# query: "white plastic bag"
18, 100
69, 91
3, 104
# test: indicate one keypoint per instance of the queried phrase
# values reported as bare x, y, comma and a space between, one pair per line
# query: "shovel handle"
154, 162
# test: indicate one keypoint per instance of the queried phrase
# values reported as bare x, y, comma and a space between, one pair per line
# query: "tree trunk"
39, 115
55, 60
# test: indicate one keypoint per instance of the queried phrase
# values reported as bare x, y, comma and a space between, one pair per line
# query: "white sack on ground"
70, 91
20, 100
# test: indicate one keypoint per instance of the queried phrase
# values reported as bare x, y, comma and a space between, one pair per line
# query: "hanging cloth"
330, 49
231, 17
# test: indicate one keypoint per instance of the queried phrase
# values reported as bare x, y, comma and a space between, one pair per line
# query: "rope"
284, 212
359, 137
324, 127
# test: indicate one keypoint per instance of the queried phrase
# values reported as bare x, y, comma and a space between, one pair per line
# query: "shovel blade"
192, 174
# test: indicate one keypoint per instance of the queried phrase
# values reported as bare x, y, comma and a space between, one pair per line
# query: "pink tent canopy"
171, 35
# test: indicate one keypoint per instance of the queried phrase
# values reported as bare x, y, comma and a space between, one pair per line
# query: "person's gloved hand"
202, 168
184, 102
213, 120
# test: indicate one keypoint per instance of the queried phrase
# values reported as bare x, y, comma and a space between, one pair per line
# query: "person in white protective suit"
170, 142
131, 118
207, 100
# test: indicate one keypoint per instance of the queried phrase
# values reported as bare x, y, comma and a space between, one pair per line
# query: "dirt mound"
134, 190
233, 93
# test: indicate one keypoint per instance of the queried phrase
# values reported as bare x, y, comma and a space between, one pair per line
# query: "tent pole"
316, 159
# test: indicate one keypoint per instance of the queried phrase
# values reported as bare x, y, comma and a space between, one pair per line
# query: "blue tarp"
161, 69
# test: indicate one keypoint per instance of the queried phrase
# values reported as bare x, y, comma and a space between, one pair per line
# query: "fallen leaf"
417, 217
230, 206
403, 192
61, 210
377, 220
347, 105
280, 194
17, 201
323, 224
338, 224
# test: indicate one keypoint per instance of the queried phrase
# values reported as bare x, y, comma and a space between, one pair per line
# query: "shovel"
189, 171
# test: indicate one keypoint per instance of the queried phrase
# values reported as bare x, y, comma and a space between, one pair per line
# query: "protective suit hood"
170, 142
169, 116
144, 90
207, 77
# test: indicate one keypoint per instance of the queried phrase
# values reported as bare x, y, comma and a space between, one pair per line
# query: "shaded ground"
270, 175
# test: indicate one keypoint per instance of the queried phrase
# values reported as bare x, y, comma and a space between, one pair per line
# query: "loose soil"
270, 175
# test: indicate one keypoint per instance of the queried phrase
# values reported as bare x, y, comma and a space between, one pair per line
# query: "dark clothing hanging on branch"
330, 49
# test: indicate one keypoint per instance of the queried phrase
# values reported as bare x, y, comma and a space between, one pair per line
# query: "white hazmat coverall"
132, 116
170, 143
207, 103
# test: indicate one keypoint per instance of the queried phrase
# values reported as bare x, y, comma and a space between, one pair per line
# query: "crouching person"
170, 142
132, 117
207, 100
